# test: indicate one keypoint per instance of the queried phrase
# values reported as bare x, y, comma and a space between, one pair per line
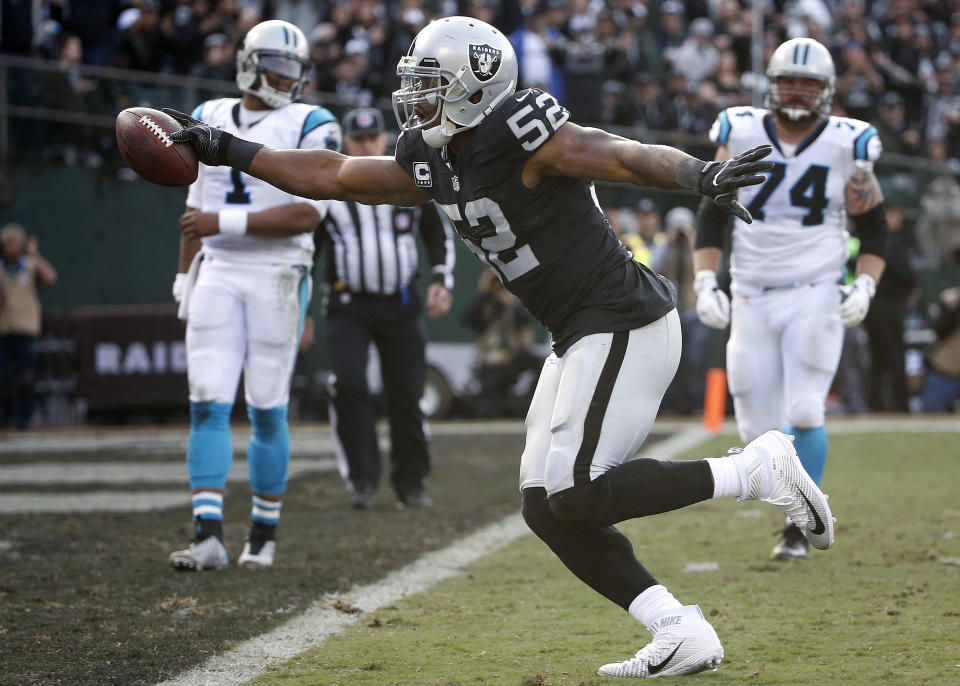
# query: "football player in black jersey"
513, 173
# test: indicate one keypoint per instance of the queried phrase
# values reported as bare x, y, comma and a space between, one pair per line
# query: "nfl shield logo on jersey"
484, 61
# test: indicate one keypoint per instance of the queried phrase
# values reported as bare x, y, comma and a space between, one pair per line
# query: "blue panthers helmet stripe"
286, 35
724, 134
317, 117
806, 53
860, 145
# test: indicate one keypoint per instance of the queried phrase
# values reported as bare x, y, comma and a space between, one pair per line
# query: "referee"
371, 269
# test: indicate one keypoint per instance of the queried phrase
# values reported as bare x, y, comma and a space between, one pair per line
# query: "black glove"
721, 180
214, 146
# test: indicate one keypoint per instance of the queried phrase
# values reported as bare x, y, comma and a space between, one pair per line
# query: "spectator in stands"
648, 245
941, 388
351, 72
219, 59
141, 45
887, 390
695, 58
24, 269
66, 89
648, 107
943, 108
671, 33
938, 228
728, 81
646, 57
533, 43
859, 86
896, 134
696, 108
325, 53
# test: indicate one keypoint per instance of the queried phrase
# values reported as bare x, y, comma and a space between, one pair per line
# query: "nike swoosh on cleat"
655, 669
818, 523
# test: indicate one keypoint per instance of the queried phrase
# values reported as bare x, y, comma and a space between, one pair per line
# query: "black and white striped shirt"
373, 248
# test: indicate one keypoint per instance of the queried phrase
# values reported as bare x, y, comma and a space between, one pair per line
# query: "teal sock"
811, 445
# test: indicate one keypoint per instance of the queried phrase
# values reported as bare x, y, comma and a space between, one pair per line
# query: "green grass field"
882, 607
88, 599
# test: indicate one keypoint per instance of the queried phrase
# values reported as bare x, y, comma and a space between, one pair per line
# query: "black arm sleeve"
439, 243
712, 224
872, 230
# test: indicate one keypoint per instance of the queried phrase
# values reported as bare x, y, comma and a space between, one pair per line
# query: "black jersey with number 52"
550, 245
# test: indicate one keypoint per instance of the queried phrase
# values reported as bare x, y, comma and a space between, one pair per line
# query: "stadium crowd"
651, 66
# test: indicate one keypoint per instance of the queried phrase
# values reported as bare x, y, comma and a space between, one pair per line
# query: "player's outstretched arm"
595, 154
314, 174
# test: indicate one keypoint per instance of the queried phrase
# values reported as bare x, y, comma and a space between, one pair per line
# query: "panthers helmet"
802, 58
276, 46
460, 64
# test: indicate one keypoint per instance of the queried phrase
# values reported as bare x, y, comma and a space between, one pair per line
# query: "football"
143, 136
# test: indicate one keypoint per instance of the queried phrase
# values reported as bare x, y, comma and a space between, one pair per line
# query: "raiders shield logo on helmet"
484, 61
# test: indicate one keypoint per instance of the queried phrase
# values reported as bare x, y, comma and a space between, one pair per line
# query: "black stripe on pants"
598, 407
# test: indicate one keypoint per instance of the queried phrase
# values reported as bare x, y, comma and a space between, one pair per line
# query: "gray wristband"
240, 153
688, 173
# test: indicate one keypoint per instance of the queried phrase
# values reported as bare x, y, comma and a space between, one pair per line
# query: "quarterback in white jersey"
249, 248
788, 305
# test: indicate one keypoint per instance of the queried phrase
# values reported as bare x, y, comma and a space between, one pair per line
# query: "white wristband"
179, 284
869, 283
704, 279
233, 222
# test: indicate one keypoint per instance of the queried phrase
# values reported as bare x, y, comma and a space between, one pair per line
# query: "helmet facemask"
253, 79
820, 108
431, 85
273, 46
460, 66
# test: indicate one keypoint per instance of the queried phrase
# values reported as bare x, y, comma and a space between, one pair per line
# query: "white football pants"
782, 355
595, 406
245, 317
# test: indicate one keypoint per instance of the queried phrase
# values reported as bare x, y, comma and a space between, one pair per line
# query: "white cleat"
683, 643
258, 555
206, 554
772, 473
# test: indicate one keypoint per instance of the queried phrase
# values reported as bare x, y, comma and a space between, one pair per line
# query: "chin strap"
436, 137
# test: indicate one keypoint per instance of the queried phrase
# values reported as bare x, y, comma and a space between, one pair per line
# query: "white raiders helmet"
276, 46
802, 58
449, 62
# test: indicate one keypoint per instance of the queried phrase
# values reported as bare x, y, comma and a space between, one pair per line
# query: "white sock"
727, 480
652, 603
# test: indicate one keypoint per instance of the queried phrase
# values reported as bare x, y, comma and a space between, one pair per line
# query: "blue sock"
209, 451
269, 453
811, 445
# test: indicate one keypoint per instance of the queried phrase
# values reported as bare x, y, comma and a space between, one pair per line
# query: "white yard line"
315, 439
254, 657
93, 501
130, 472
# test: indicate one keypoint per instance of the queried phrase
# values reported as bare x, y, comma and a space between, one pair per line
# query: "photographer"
24, 269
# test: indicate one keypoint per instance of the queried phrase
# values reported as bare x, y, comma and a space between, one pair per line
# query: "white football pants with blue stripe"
243, 317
